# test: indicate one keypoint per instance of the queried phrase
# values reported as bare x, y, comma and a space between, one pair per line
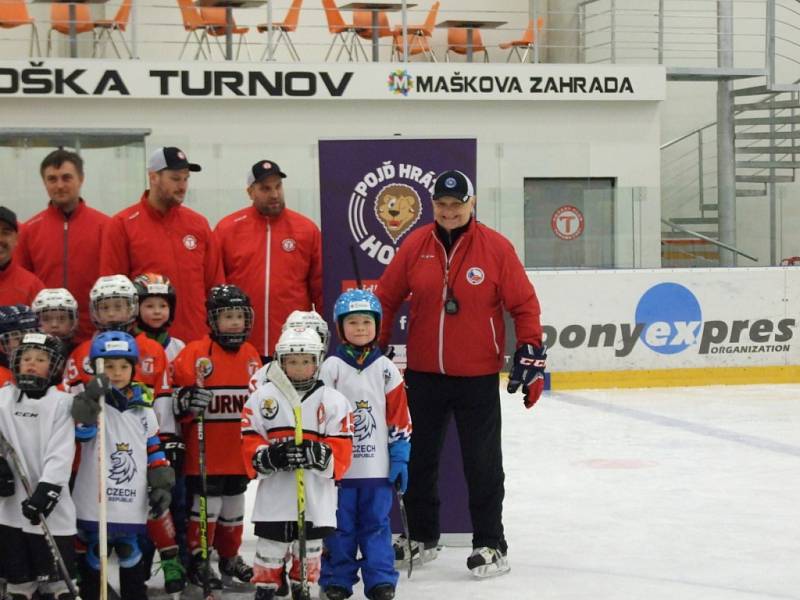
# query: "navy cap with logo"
9, 216
453, 184
262, 169
170, 158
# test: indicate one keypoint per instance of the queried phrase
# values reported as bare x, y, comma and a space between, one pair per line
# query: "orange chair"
59, 21
216, 25
457, 42
193, 23
14, 13
104, 28
527, 41
418, 37
284, 28
342, 32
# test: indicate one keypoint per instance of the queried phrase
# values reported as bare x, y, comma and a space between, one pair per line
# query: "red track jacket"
18, 285
485, 275
179, 245
277, 261
62, 251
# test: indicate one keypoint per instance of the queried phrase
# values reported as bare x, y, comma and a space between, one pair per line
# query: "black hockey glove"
85, 406
316, 455
283, 456
528, 371
160, 481
388, 352
174, 449
191, 399
41, 503
7, 486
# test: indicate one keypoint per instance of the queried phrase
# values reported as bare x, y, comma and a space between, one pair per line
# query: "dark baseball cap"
9, 216
263, 168
170, 158
453, 184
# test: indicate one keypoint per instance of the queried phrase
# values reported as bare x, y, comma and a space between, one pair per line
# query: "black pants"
132, 581
475, 404
25, 556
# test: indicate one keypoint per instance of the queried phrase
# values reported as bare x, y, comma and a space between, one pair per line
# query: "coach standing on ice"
460, 275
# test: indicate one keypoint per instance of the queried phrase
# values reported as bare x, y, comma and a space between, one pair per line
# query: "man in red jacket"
17, 284
460, 275
61, 243
160, 235
272, 253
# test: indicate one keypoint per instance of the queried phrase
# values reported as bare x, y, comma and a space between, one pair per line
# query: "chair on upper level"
215, 20
14, 13
196, 29
342, 31
105, 28
59, 21
362, 22
418, 35
284, 28
527, 41
457, 42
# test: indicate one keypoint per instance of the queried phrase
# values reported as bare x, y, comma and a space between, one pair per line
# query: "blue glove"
399, 452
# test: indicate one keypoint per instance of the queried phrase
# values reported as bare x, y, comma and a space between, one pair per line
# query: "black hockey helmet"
15, 321
154, 284
32, 384
225, 297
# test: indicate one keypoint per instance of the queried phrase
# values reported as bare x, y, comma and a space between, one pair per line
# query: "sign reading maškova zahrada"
416, 81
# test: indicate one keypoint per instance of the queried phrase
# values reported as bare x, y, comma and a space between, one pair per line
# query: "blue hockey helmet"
357, 301
15, 321
114, 344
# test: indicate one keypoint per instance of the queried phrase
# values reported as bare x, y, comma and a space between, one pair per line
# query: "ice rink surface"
659, 494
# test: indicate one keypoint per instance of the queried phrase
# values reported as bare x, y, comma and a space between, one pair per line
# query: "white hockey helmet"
114, 286
312, 319
53, 299
300, 340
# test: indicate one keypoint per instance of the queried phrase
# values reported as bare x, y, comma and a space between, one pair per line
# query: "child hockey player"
35, 420
15, 321
382, 429
211, 377
58, 314
298, 318
113, 306
138, 478
157, 301
271, 454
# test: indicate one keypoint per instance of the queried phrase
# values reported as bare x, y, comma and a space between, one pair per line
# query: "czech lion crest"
363, 421
123, 467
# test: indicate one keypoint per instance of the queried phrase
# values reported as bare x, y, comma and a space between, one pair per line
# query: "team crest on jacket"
288, 245
269, 408
190, 242
123, 467
475, 275
203, 366
363, 421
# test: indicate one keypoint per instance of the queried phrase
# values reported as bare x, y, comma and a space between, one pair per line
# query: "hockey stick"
276, 375
406, 533
359, 283
102, 499
7, 450
201, 442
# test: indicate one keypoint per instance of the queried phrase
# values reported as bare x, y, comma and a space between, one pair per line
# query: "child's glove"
317, 455
399, 452
41, 503
85, 405
160, 481
7, 486
174, 449
283, 456
191, 399
528, 371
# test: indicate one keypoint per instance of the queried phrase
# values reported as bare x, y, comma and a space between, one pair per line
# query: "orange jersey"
5, 376
227, 374
151, 370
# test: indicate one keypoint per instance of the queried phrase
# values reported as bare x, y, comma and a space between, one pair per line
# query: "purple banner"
373, 193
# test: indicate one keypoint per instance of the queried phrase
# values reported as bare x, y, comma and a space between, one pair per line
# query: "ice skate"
429, 552
235, 572
383, 591
488, 562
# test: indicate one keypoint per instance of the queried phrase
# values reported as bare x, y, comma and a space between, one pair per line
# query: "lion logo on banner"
398, 208
363, 421
123, 467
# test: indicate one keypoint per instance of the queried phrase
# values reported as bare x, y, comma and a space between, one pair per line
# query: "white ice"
666, 494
